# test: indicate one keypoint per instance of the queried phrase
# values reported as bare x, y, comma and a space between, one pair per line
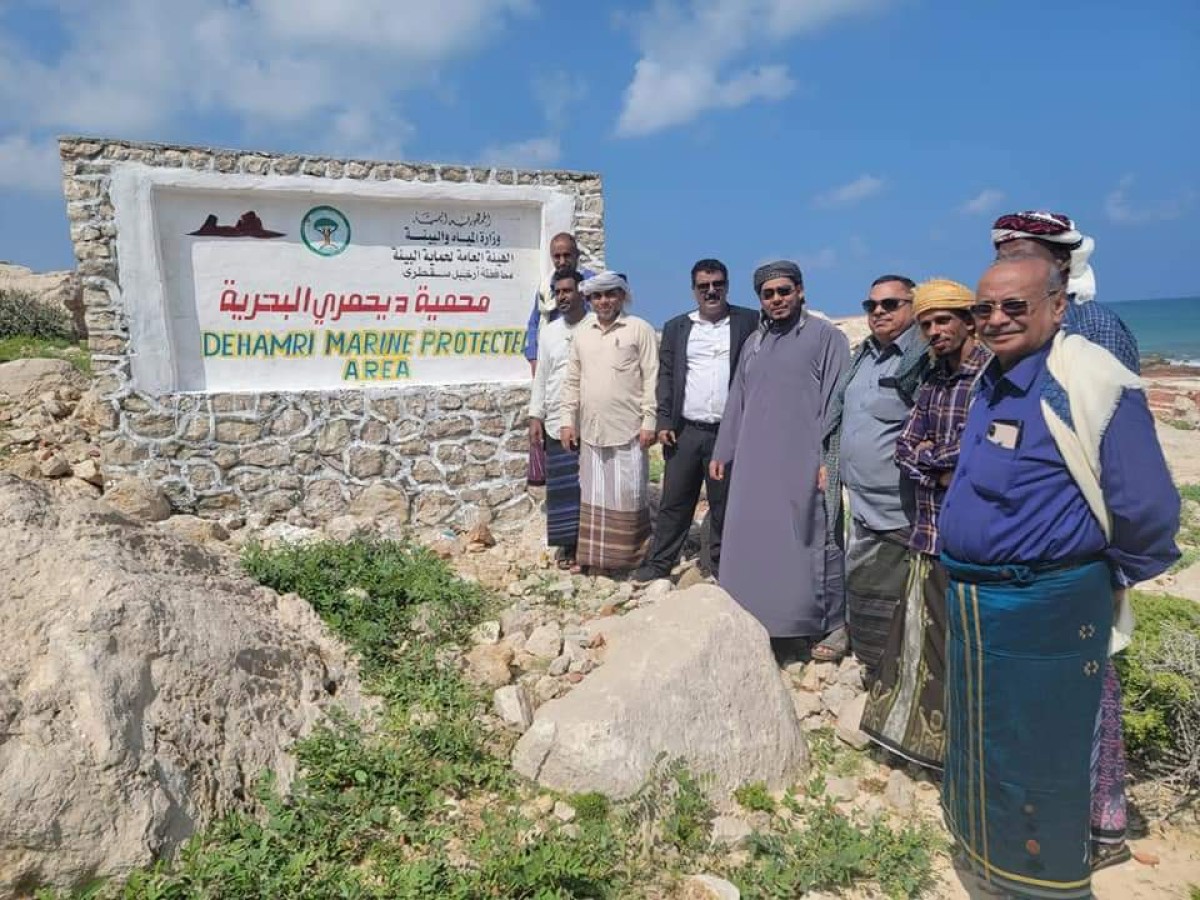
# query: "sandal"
833, 647
1105, 855
565, 560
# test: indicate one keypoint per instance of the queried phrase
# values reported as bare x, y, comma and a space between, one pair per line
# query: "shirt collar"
968, 368
898, 346
618, 322
1021, 376
694, 315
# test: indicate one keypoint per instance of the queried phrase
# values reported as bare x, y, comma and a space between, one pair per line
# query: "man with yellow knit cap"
905, 712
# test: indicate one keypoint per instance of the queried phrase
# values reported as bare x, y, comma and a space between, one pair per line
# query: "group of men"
988, 443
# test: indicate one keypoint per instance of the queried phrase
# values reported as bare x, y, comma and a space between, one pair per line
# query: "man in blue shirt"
564, 254
1053, 237
1061, 495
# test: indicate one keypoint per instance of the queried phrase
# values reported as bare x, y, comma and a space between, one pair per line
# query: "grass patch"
755, 797
657, 464
1190, 492
422, 803
828, 850
27, 347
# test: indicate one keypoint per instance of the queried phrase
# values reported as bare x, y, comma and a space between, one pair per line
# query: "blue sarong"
562, 495
1025, 655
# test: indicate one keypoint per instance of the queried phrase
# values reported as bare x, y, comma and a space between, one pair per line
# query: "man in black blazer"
697, 358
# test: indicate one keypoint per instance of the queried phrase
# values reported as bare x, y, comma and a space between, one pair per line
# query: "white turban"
1053, 228
606, 281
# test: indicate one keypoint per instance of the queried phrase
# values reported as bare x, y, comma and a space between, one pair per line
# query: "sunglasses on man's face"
887, 304
703, 287
771, 293
1013, 308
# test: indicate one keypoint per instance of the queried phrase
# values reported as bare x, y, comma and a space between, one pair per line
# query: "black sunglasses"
705, 286
887, 304
770, 293
1013, 307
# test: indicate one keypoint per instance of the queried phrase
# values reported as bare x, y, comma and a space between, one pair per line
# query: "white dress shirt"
707, 385
554, 349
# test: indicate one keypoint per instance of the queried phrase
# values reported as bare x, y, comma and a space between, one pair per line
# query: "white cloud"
29, 166
558, 93
985, 201
825, 258
1119, 208
326, 76
535, 153
690, 54
854, 192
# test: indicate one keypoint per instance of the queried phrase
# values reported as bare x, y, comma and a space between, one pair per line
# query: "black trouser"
686, 469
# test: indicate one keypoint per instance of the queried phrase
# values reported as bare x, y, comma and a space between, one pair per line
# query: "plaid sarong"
876, 572
614, 513
535, 474
562, 495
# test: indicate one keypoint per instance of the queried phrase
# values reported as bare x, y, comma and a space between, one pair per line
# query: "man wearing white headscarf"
1054, 238
608, 412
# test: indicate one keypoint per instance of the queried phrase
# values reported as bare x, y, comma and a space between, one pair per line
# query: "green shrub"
23, 314
1161, 685
755, 797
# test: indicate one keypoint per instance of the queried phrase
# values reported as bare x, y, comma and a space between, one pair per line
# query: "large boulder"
24, 380
147, 683
691, 677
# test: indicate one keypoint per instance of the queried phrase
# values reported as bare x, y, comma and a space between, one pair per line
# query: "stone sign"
281, 333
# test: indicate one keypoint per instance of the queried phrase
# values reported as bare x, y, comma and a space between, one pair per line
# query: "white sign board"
245, 283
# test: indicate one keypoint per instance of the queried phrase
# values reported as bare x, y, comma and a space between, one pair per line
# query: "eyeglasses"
1012, 307
887, 304
771, 293
705, 286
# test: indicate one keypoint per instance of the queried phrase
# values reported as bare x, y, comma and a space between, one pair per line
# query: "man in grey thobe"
780, 559
879, 391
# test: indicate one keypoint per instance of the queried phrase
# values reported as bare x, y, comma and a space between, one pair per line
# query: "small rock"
841, 788
730, 831
874, 809
423, 618
900, 793
659, 587
709, 887
486, 632
21, 436
836, 696
480, 536
816, 674
559, 665
582, 665
806, 704
514, 619
488, 664
55, 467
546, 689
88, 470
848, 721
193, 528
1146, 858
690, 577
545, 642
570, 830
564, 812
511, 704
850, 674
607, 610
139, 498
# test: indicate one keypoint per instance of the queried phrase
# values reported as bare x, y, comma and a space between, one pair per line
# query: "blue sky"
857, 136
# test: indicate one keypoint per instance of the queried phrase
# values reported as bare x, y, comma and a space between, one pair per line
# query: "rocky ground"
546, 641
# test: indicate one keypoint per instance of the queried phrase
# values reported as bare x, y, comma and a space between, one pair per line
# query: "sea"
1166, 329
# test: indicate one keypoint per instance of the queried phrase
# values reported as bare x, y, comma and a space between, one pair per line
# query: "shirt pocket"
625, 357
992, 470
885, 405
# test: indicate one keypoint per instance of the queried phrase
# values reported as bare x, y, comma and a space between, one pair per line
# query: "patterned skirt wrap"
562, 495
905, 710
1109, 813
1025, 656
535, 473
614, 512
876, 573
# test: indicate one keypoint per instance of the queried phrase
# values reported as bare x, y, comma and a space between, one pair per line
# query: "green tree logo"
325, 231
